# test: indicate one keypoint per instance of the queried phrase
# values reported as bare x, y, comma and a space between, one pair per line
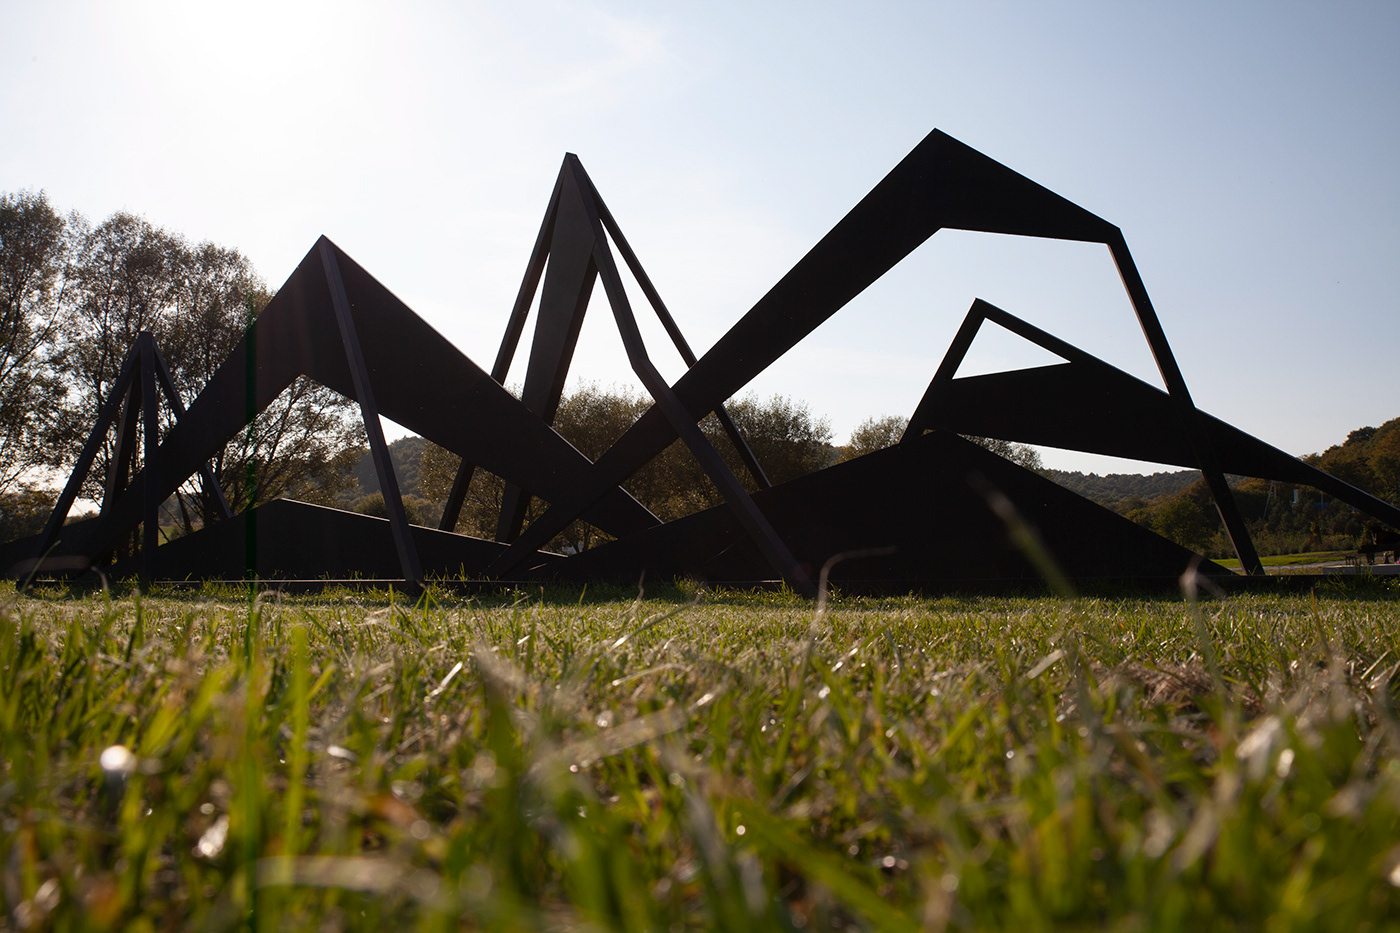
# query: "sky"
1248, 151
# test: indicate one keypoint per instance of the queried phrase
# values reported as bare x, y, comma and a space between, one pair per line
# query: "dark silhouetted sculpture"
903, 516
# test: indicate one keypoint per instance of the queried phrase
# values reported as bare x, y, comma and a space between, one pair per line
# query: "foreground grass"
736, 762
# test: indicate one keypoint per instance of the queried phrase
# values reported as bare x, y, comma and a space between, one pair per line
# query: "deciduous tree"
33, 261
874, 434
127, 276
784, 436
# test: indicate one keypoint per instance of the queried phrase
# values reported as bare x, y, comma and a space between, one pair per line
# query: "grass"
1289, 560
700, 761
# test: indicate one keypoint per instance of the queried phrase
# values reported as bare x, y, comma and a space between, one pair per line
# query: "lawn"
1290, 560
692, 760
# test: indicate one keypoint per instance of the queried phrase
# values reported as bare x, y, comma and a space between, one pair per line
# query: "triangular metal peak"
564, 258
1000, 349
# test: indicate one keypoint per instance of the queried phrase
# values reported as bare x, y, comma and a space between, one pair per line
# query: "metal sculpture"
908, 511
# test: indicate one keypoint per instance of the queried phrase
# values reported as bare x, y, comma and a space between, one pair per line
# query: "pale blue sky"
1248, 151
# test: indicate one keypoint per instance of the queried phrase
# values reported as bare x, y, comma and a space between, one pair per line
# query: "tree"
1189, 519
415, 509
127, 276
303, 446
782, 433
785, 437
1019, 454
1385, 462
1350, 462
33, 257
24, 511
590, 418
874, 434
1369, 459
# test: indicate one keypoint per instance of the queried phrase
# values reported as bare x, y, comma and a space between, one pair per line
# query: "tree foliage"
1369, 459
415, 509
883, 431
73, 299
1019, 454
874, 434
24, 511
1123, 492
197, 300
33, 267
784, 436
1284, 518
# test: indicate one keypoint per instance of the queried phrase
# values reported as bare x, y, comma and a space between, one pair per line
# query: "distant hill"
1114, 488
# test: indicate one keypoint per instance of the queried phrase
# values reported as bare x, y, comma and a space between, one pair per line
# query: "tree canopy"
74, 297
786, 438
874, 434
883, 431
34, 244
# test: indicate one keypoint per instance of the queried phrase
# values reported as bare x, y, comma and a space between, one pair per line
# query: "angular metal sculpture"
910, 511
395, 365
